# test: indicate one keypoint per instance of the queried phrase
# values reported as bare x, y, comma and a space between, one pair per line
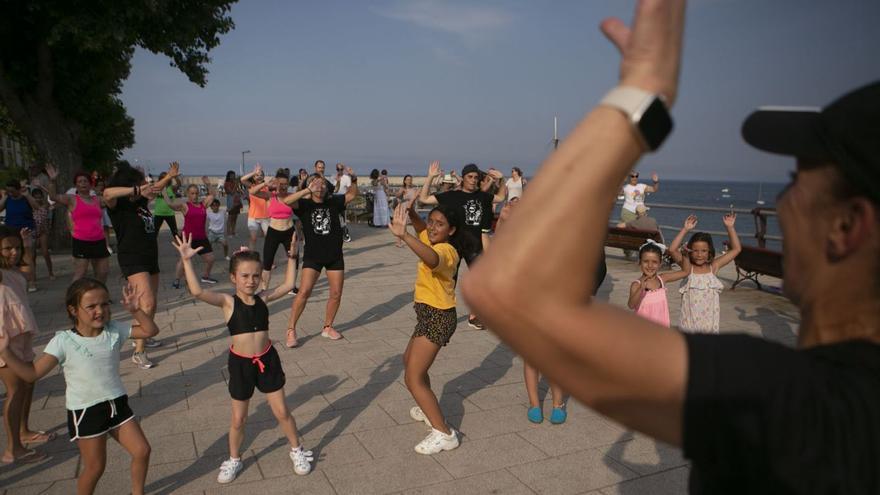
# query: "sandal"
330, 333
291, 341
38, 436
31, 457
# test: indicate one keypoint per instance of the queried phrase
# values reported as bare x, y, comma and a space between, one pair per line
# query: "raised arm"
292, 198
184, 247
425, 196
422, 250
173, 172
260, 189
247, 177
210, 196
353, 189
418, 224
735, 246
64, 199
498, 177
627, 368
173, 203
675, 248
655, 183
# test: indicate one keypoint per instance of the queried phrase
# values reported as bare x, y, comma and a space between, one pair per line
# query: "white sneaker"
229, 470
302, 460
437, 441
417, 414
141, 360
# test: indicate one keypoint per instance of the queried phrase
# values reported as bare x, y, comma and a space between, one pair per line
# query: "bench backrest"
626, 238
760, 260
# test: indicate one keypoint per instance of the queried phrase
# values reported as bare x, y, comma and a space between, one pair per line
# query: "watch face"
655, 124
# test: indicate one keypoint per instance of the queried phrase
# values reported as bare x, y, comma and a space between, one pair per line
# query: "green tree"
62, 65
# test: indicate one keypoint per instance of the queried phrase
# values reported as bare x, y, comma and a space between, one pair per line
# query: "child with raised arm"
647, 294
253, 362
437, 246
96, 402
700, 307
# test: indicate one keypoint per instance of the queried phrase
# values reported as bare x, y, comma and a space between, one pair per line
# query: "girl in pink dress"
647, 294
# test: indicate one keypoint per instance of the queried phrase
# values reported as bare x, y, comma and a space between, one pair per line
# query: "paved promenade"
349, 400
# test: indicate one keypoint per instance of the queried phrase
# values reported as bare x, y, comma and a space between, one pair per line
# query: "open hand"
398, 221
174, 169
651, 49
495, 174
729, 219
130, 299
690, 222
51, 171
655, 177
183, 243
434, 169
258, 169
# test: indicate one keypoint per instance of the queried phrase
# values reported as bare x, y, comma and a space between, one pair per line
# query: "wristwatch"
645, 110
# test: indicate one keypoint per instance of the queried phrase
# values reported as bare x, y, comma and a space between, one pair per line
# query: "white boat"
725, 190
760, 199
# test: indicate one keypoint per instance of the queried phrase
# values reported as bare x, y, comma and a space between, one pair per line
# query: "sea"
719, 194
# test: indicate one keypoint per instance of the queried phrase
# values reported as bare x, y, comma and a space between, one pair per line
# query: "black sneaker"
176, 283
475, 323
345, 235
294, 291
209, 280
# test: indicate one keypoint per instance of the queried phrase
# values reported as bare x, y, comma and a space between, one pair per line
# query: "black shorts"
437, 325
90, 250
245, 373
205, 244
337, 264
98, 419
129, 270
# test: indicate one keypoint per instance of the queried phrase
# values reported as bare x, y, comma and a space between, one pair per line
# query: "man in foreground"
753, 416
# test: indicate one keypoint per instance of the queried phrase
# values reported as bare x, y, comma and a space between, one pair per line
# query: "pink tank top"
279, 209
654, 305
194, 221
87, 220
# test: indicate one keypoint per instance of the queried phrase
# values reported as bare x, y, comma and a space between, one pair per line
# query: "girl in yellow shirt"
437, 246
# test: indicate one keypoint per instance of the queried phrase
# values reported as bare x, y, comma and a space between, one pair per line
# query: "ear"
71, 310
452, 230
852, 228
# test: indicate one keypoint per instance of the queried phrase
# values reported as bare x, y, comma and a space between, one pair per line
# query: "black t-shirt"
135, 232
476, 209
321, 227
763, 418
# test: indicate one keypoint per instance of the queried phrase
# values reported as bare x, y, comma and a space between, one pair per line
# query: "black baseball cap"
470, 167
845, 133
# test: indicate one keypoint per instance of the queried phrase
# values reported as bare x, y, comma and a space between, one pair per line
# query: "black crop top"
248, 319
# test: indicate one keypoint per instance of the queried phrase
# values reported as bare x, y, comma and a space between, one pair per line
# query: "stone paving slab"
351, 404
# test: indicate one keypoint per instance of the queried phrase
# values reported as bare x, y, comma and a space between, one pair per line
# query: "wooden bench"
754, 261
630, 239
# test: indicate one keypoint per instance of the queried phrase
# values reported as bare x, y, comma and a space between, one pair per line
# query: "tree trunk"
56, 139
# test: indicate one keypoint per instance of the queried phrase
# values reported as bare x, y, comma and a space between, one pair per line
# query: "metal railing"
760, 215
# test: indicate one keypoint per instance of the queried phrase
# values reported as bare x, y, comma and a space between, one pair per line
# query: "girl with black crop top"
253, 361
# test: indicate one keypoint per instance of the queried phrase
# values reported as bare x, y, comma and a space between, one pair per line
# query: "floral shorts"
437, 325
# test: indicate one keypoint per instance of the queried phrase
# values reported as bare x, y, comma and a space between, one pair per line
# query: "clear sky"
394, 84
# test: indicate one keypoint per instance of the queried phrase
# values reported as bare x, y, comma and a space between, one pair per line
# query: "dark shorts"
245, 373
98, 419
337, 264
437, 325
90, 250
129, 270
205, 244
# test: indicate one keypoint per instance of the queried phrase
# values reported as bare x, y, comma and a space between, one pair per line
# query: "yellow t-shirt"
436, 287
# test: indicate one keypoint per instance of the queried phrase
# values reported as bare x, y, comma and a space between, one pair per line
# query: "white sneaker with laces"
417, 414
141, 360
302, 460
437, 441
229, 470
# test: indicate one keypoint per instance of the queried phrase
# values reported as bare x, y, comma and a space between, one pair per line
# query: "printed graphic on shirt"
147, 218
321, 221
473, 212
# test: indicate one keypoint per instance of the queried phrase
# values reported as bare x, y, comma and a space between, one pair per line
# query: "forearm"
422, 250
119, 192
23, 370
636, 292
294, 197
735, 245
425, 191
416, 220
192, 281
351, 193
675, 248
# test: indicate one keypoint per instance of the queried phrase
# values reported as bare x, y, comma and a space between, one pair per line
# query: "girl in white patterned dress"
700, 307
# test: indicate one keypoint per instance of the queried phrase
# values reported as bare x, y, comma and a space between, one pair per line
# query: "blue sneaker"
535, 414
558, 416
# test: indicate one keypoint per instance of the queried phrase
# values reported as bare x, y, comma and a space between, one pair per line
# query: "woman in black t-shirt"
323, 250
127, 197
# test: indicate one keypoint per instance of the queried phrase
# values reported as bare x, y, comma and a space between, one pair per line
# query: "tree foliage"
63, 63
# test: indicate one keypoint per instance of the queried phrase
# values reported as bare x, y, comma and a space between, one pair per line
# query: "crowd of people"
752, 416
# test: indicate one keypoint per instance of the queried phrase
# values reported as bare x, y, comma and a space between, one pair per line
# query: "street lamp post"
241, 170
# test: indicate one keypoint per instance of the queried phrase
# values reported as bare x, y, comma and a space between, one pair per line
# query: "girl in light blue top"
95, 397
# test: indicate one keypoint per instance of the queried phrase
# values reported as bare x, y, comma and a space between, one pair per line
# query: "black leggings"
270, 245
172, 223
